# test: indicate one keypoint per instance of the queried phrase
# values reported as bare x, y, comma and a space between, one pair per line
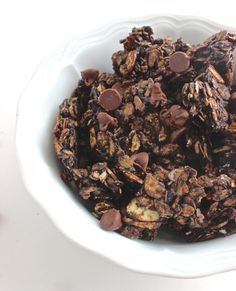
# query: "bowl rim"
63, 55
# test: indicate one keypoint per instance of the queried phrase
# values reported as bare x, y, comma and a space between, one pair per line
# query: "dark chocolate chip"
110, 99
111, 220
141, 160
157, 95
179, 62
175, 117
105, 120
89, 76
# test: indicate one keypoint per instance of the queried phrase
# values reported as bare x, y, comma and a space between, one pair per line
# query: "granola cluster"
153, 145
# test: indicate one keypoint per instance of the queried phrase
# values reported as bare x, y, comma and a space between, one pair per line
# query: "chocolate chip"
141, 160
175, 117
110, 99
121, 88
89, 76
232, 102
105, 120
111, 220
157, 95
179, 62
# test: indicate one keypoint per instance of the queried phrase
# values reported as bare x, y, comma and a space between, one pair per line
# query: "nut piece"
110, 99
142, 224
187, 210
138, 104
141, 213
125, 162
135, 143
153, 187
128, 110
129, 63
111, 220
132, 178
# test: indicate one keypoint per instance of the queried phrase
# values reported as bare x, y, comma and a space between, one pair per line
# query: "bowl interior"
166, 255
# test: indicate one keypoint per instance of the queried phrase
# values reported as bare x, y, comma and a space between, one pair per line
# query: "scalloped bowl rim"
172, 264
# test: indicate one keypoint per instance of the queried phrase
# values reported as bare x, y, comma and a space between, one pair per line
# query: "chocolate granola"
153, 145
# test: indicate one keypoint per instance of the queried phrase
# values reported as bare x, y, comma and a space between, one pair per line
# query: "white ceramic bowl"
55, 80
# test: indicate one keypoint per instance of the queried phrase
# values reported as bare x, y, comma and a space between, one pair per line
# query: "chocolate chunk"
111, 220
157, 95
89, 76
105, 120
179, 62
110, 99
232, 102
141, 160
175, 117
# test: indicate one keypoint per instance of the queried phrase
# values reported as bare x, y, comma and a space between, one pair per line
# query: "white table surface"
34, 255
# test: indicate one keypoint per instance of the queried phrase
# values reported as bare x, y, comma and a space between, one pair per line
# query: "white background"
34, 255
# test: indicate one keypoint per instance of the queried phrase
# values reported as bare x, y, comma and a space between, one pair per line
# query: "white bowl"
54, 81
